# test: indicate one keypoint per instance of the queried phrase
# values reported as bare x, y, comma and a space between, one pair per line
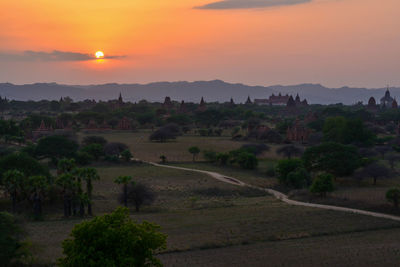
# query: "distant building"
124, 124
202, 107
168, 103
248, 101
298, 132
371, 103
387, 100
273, 100
182, 108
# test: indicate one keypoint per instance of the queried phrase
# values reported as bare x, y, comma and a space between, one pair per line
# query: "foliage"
126, 155
194, 150
124, 180
113, 240
291, 172
210, 155
374, 170
322, 184
338, 159
114, 149
12, 249
140, 194
56, 147
99, 140
94, 150
83, 158
256, 149
222, 158
24, 163
289, 151
245, 159
162, 135
393, 196
347, 131
14, 183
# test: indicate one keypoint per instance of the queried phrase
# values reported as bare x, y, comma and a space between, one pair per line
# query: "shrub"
393, 196
162, 135
256, 149
12, 248
194, 150
99, 140
95, 150
113, 240
83, 158
299, 178
286, 166
126, 155
139, 194
322, 184
222, 158
247, 160
114, 149
210, 155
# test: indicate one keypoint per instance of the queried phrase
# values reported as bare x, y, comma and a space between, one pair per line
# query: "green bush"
83, 158
12, 249
210, 155
322, 184
285, 167
299, 178
393, 196
222, 158
113, 240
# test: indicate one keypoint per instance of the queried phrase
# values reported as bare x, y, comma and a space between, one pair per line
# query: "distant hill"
190, 91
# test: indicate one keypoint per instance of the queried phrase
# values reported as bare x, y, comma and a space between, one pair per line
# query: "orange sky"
333, 42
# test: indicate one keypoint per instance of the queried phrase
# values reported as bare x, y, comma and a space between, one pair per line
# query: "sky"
256, 42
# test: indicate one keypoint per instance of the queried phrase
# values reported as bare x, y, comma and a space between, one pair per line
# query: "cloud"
50, 56
245, 4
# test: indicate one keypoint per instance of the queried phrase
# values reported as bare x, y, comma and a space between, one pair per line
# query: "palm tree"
66, 181
65, 166
38, 186
289, 151
13, 182
124, 180
88, 175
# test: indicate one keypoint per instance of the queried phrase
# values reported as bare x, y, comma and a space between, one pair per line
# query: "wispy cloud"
50, 56
245, 4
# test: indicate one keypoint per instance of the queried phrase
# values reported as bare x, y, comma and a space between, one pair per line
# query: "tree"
291, 172
22, 162
66, 182
38, 185
65, 165
14, 183
256, 149
56, 147
12, 248
95, 150
162, 135
88, 175
124, 180
393, 196
114, 149
392, 158
140, 194
113, 240
127, 155
163, 159
194, 150
222, 158
89, 140
289, 151
322, 184
335, 158
210, 155
374, 170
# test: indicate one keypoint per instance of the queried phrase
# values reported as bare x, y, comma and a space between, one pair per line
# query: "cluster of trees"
24, 179
92, 148
134, 192
245, 157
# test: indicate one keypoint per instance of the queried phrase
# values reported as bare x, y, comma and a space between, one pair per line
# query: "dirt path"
280, 195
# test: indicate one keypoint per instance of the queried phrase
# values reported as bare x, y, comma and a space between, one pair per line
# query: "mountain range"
215, 90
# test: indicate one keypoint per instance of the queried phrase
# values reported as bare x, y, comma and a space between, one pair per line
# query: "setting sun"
99, 54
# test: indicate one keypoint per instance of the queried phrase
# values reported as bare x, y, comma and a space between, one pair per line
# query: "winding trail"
279, 195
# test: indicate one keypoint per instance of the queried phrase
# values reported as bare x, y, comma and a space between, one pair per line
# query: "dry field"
175, 150
198, 213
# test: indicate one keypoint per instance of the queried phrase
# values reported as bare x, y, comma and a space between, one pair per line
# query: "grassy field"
198, 212
175, 150
210, 223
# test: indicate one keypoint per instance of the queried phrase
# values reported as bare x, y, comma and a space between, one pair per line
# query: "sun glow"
99, 55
